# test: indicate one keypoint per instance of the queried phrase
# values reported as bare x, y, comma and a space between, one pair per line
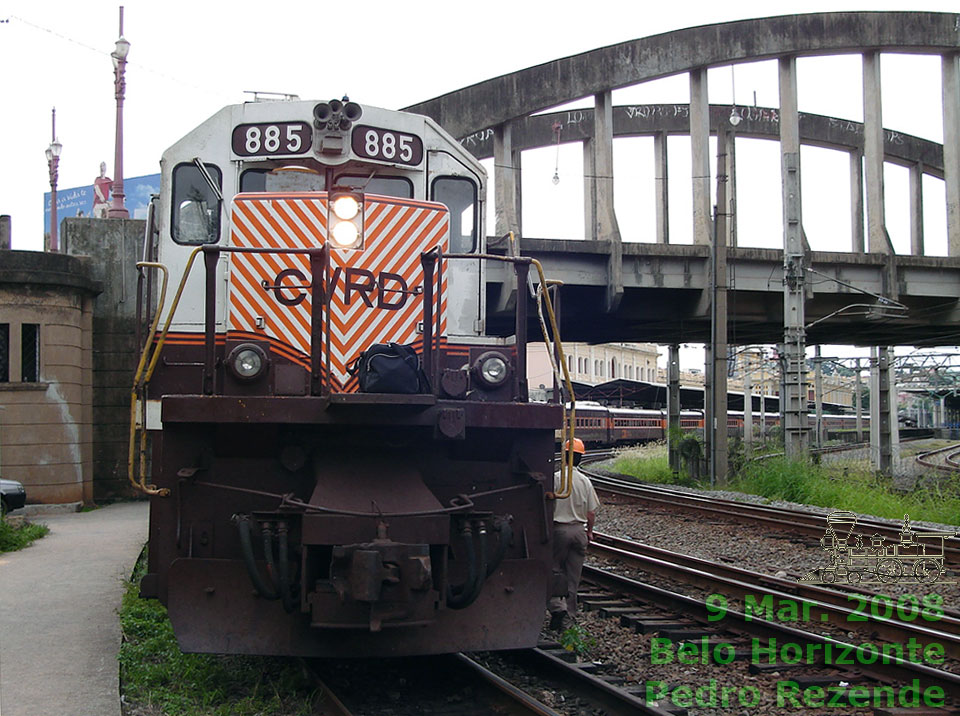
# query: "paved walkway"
59, 632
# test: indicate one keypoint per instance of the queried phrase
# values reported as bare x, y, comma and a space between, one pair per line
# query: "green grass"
17, 537
648, 463
156, 676
838, 485
845, 487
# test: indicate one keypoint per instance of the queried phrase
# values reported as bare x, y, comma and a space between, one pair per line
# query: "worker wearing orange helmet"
573, 519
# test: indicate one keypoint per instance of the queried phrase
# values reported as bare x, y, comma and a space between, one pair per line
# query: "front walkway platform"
59, 630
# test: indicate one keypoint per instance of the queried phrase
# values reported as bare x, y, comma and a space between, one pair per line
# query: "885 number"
251, 140
387, 145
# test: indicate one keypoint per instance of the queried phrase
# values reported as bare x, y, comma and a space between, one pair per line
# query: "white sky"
188, 59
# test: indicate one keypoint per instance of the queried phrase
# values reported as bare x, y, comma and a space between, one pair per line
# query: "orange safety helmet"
577, 446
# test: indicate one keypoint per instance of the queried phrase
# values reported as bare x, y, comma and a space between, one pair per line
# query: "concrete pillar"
951, 147
5, 231
506, 188
883, 411
782, 387
874, 409
789, 114
718, 320
793, 396
731, 206
916, 209
894, 422
607, 229
856, 202
506, 181
763, 401
673, 403
660, 175
858, 397
589, 191
747, 413
877, 241
818, 397
700, 154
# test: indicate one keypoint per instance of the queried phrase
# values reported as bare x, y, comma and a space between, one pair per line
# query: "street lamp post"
117, 209
53, 161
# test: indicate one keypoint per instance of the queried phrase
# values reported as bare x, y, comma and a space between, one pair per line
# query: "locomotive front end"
343, 463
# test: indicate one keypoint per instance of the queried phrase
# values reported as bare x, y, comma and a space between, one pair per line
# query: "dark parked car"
12, 496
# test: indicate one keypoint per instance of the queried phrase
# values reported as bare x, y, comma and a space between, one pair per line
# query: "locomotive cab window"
293, 178
399, 187
196, 208
460, 196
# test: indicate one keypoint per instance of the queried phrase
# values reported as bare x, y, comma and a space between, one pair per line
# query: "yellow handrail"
144, 373
566, 471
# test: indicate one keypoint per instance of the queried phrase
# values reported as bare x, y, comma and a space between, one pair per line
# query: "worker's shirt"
582, 499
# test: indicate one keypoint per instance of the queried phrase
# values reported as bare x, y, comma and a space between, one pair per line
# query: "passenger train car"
598, 425
296, 507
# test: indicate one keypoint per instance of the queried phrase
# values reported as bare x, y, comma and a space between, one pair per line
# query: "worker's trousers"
569, 549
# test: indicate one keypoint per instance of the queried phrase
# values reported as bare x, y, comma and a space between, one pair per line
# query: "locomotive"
296, 507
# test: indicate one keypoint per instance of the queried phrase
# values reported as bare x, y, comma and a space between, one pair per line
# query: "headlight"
345, 234
492, 369
346, 207
247, 362
346, 219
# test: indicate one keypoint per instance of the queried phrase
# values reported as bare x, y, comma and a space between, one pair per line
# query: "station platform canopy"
638, 394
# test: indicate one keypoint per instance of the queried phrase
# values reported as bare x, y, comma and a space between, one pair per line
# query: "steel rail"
788, 519
450, 673
613, 700
734, 581
896, 670
927, 459
520, 702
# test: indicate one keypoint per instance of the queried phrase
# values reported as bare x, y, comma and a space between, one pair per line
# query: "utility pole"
718, 321
859, 402
673, 404
794, 396
818, 395
747, 413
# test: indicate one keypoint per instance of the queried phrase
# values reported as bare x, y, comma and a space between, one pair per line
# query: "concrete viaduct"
668, 293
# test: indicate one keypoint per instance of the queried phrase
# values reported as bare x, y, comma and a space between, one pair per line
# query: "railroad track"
787, 659
950, 456
460, 685
896, 621
451, 684
788, 520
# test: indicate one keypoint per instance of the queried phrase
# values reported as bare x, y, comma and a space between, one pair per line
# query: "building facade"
594, 364
46, 393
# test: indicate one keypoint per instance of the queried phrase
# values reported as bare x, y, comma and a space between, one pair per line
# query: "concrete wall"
46, 432
114, 247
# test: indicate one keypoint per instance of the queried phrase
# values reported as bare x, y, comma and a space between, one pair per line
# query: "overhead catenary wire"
207, 89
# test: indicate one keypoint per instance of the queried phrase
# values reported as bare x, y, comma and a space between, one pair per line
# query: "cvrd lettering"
278, 287
391, 289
